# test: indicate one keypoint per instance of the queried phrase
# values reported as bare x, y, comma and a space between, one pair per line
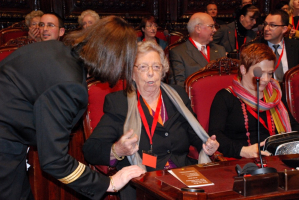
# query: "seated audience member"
197, 51
294, 18
285, 49
212, 10
32, 21
282, 5
148, 119
51, 27
88, 18
45, 96
233, 35
233, 115
148, 27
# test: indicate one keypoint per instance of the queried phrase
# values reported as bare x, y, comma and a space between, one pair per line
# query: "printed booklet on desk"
190, 176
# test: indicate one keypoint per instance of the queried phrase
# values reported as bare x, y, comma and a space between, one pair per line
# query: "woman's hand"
33, 32
211, 145
123, 176
127, 144
252, 151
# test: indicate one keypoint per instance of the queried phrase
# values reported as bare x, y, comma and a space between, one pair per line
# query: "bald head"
198, 18
201, 28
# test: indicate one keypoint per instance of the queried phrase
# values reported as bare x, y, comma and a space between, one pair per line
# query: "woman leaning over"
233, 116
294, 18
149, 120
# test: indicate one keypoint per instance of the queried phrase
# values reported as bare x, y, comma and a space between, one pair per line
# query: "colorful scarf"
272, 96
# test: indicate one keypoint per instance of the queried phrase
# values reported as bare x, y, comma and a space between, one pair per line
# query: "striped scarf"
272, 96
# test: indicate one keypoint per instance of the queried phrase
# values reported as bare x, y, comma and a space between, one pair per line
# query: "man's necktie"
279, 71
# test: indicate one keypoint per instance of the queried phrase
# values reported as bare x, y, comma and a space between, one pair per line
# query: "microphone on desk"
252, 168
263, 170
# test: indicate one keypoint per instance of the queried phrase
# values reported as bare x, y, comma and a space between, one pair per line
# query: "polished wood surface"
162, 185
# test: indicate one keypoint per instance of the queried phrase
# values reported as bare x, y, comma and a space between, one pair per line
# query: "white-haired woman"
88, 18
153, 126
32, 21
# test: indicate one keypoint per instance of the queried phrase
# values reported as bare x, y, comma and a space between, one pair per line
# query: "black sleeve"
55, 113
97, 148
221, 109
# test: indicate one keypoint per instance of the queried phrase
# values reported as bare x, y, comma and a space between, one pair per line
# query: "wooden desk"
162, 185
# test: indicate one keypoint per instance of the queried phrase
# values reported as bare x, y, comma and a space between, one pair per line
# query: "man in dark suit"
43, 95
275, 26
197, 51
233, 35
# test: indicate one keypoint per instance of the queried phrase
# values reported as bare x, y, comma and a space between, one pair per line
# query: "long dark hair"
108, 49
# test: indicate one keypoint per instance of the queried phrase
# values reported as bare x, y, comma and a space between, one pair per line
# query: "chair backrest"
20, 41
96, 97
291, 86
203, 85
6, 51
10, 33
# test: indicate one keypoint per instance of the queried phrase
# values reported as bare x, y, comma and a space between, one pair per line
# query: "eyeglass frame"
212, 26
273, 26
49, 25
148, 66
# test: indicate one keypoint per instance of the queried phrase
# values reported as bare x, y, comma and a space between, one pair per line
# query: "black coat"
170, 141
43, 95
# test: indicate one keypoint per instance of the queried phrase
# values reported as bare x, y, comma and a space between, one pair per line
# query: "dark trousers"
14, 182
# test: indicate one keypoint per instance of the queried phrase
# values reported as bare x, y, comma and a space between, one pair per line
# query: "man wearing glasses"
51, 27
286, 50
233, 35
197, 51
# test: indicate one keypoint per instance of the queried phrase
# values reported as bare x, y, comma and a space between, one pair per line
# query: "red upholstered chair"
20, 41
291, 86
96, 96
203, 85
6, 51
10, 33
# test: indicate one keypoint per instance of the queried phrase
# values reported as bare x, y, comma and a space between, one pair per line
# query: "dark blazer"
225, 36
186, 59
170, 141
43, 95
291, 47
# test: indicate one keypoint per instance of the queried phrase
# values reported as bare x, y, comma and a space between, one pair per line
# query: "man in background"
197, 51
286, 50
51, 27
212, 10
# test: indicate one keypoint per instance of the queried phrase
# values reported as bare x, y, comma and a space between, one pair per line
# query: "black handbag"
283, 144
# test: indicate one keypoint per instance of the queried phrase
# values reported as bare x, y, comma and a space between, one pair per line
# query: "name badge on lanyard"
148, 157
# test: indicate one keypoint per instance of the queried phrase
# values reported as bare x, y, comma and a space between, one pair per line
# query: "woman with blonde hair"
294, 17
88, 18
32, 21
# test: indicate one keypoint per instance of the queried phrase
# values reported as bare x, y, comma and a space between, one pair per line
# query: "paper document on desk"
190, 176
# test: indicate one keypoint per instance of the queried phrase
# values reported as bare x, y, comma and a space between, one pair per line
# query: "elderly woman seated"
233, 114
88, 18
149, 27
153, 125
32, 20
